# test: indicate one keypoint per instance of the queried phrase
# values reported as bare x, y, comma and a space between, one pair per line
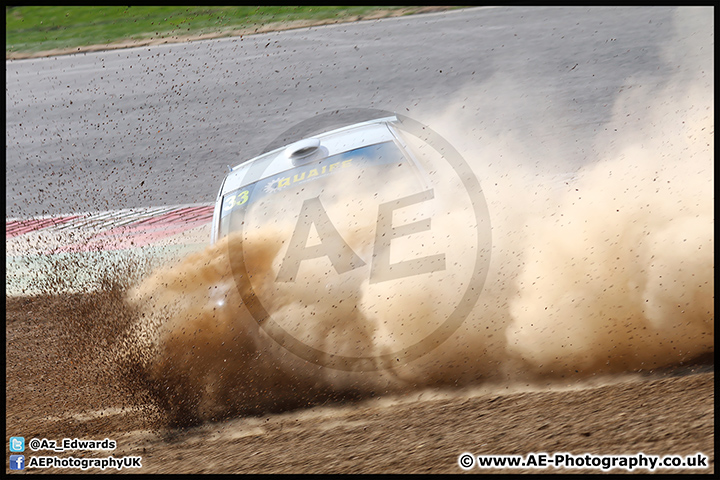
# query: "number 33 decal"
233, 201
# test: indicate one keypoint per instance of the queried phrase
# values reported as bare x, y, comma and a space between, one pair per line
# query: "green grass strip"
30, 30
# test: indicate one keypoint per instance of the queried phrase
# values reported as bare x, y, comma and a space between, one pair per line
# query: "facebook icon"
17, 462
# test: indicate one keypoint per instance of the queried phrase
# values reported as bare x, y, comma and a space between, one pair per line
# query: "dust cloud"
601, 262
609, 241
202, 353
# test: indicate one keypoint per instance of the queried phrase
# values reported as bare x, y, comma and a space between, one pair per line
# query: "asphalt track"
149, 131
156, 126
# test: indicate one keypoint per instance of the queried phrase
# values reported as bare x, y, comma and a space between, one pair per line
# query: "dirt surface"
62, 384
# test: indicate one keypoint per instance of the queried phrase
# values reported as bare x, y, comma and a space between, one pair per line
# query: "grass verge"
51, 30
